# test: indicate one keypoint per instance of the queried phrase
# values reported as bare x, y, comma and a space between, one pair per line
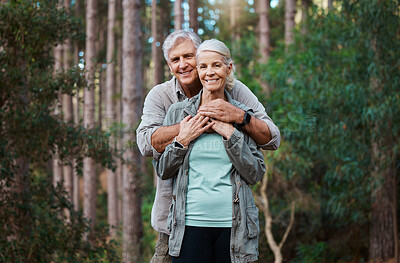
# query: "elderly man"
180, 53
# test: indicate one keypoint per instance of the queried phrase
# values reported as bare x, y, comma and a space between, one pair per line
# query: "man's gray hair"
180, 35
220, 48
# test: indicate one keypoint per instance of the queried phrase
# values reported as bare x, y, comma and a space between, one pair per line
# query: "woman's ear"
230, 66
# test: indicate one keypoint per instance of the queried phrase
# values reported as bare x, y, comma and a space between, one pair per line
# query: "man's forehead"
176, 49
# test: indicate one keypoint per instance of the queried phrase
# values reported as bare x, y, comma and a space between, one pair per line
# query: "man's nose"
182, 63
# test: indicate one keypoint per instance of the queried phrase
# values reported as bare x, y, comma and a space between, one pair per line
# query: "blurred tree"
112, 191
30, 207
193, 15
264, 38
340, 96
67, 112
290, 12
89, 169
178, 15
131, 112
156, 51
58, 68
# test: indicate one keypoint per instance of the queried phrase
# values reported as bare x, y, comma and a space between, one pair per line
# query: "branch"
292, 209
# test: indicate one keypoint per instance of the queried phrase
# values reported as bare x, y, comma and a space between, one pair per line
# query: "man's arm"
163, 136
155, 108
226, 112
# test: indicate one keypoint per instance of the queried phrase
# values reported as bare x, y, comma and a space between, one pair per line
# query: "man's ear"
170, 69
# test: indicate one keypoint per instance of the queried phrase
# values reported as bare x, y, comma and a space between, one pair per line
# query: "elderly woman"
213, 217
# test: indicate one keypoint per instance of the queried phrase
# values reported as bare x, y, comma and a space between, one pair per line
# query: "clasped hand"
192, 127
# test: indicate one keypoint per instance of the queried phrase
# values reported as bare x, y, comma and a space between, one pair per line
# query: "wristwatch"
178, 144
246, 119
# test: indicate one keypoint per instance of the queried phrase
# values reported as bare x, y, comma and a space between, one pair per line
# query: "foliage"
47, 235
326, 88
34, 229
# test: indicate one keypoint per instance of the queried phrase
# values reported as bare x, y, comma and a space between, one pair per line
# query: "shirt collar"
178, 89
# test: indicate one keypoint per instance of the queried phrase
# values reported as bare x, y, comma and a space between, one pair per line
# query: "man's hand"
222, 110
191, 128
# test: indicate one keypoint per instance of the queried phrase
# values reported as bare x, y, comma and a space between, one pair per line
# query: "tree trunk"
57, 166
156, 51
178, 15
89, 173
131, 111
118, 171
193, 15
304, 15
276, 249
383, 228
330, 5
290, 11
264, 7
112, 195
233, 19
383, 213
68, 113
76, 108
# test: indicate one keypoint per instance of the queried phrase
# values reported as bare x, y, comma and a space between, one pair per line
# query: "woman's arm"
246, 157
190, 128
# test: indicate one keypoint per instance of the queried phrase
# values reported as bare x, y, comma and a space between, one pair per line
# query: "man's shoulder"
166, 87
237, 84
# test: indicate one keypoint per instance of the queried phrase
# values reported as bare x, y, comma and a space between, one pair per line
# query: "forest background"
73, 78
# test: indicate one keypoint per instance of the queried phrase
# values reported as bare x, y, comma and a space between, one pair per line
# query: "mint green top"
209, 195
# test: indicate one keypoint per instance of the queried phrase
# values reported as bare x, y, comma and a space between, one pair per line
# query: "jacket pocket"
253, 228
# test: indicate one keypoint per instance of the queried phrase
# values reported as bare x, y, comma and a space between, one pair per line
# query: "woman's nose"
210, 71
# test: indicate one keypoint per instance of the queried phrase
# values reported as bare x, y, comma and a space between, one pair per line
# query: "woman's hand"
191, 128
223, 128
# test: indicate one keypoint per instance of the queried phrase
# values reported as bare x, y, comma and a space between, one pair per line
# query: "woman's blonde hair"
220, 48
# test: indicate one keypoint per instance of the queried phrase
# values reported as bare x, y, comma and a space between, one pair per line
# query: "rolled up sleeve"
152, 119
244, 95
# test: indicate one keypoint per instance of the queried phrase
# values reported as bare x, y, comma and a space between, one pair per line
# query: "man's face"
182, 62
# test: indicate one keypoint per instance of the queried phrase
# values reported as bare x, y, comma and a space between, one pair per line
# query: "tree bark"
233, 19
156, 45
57, 166
264, 27
290, 11
131, 111
68, 114
178, 15
76, 108
330, 5
383, 228
304, 15
276, 249
112, 194
383, 204
193, 15
89, 172
119, 120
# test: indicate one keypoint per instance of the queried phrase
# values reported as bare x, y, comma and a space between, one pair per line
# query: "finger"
208, 114
209, 125
204, 121
186, 119
199, 119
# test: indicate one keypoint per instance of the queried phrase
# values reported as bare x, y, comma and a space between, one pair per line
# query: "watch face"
248, 117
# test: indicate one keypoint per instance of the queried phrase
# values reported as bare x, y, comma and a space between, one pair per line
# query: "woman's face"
212, 70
